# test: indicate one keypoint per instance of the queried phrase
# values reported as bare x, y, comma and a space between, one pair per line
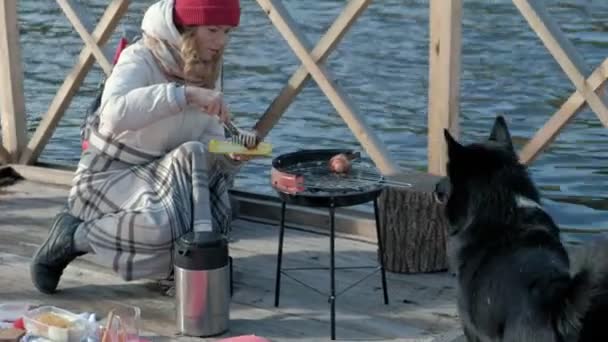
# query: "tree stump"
413, 227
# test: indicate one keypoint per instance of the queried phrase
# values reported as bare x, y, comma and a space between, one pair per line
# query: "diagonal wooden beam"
5, 157
75, 19
12, 102
562, 117
564, 53
300, 45
101, 34
322, 50
90, 23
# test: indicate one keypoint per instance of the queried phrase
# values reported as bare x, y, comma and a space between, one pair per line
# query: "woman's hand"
240, 157
209, 101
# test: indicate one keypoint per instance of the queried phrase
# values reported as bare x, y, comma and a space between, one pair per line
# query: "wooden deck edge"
41, 174
260, 207
249, 206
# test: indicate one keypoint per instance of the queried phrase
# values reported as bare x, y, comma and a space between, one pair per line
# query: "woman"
146, 177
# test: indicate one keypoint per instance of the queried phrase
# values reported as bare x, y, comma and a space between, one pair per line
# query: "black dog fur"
515, 282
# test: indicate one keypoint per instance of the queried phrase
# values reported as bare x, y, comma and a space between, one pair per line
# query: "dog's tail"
585, 296
574, 302
593, 260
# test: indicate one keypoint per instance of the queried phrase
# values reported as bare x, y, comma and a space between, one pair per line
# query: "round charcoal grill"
304, 178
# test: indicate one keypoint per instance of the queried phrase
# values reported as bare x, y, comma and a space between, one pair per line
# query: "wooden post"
5, 157
12, 103
444, 79
296, 40
564, 53
296, 82
101, 34
563, 116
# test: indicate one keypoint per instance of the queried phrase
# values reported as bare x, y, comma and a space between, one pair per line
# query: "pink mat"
245, 338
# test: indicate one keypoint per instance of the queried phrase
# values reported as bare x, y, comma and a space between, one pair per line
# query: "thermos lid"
201, 251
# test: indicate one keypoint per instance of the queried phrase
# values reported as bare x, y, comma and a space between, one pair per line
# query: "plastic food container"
37, 323
125, 324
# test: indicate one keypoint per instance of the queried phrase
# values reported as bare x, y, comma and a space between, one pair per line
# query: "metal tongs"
244, 138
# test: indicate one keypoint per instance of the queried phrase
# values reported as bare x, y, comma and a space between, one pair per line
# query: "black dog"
514, 275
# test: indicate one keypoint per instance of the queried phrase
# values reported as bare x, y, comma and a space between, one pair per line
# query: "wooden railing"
89, 54
444, 77
588, 86
11, 79
285, 24
444, 62
12, 103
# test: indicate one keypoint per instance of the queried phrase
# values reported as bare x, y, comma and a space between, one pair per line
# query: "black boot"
55, 254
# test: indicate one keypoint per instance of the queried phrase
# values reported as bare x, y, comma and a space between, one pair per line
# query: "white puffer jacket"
140, 108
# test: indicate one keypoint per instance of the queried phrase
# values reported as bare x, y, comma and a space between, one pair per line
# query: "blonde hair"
194, 68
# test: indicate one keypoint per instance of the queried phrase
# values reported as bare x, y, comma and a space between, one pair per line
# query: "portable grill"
304, 178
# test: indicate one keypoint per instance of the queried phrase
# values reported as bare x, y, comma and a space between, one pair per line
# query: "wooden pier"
422, 306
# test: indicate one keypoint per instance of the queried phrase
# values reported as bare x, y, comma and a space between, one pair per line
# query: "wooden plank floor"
422, 307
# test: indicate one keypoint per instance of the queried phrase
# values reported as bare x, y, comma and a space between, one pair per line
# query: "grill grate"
319, 179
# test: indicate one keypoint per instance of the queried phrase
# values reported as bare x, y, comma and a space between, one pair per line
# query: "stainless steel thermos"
202, 284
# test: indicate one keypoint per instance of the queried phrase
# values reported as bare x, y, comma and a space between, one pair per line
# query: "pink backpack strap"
122, 44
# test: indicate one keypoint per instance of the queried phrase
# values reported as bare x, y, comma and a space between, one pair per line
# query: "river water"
382, 64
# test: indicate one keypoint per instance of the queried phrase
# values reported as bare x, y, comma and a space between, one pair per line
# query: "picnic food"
52, 319
55, 324
339, 163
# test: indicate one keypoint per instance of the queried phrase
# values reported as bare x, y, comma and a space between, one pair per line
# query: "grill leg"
381, 252
332, 298
231, 277
277, 288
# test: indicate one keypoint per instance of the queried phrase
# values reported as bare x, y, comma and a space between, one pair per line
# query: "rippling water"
382, 64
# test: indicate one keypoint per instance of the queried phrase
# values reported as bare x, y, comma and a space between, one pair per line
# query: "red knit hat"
206, 12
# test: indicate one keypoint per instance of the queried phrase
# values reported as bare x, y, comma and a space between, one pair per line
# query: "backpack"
91, 118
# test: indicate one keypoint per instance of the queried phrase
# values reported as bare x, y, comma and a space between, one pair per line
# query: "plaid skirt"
135, 206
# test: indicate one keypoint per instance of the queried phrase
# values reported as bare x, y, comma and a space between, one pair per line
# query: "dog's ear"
500, 133
454, 147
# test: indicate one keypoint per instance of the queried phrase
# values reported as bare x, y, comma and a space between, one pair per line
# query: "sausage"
339, 163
